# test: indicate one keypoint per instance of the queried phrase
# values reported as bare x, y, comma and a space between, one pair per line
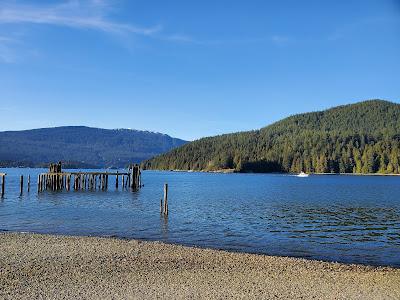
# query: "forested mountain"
81, 146
357, 138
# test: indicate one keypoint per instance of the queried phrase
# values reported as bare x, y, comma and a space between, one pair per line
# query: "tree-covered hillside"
357, 138
82, 146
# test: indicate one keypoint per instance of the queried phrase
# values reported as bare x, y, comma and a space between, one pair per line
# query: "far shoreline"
220, 171
233, 171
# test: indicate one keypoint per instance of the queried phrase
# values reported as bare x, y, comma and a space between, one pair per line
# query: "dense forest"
79, 146
357, 138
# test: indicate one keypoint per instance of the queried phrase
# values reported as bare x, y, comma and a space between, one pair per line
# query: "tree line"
358, 138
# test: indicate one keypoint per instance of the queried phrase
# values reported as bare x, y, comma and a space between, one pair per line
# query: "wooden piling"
68, 182
38, 183
3, 184
132, 178
21, 184
116, 181
29, 182
166, 198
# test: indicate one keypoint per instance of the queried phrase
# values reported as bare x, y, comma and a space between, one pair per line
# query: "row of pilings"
78, 181
88, 181
57, 180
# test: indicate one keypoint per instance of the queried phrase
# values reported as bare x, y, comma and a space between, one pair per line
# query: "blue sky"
191, 68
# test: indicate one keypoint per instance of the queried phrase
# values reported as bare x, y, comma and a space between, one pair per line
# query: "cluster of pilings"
88, 180
82, 181
57, 180
55, 168
135, 176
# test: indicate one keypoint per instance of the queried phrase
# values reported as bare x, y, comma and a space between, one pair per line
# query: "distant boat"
302, 174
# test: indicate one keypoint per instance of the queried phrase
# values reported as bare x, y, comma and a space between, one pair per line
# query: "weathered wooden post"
3, 184
116, 181
29, 182
130, 177
135, 178
68, 182
21, 184
138, 177
133, 182
166, 198
38, 183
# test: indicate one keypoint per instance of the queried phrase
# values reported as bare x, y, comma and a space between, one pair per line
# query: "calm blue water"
336, 218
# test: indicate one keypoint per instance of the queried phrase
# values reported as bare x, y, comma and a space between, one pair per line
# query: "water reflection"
164, 226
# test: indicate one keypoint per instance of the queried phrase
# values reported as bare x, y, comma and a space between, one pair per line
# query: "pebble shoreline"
34, 266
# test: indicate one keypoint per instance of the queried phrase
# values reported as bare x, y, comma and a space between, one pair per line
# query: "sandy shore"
43, 266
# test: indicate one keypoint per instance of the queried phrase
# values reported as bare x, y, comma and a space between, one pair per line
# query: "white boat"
302, 174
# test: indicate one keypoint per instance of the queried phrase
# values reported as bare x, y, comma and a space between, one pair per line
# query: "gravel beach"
34, 266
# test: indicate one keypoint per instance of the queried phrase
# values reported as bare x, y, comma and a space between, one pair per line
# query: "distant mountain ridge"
357, 138
81, 146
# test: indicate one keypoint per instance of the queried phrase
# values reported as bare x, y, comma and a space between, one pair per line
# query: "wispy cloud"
274, 39
89, 15
281, 40
76, 14
95, 15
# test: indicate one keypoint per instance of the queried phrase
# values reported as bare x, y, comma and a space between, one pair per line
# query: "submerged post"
29, 182
166, 198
